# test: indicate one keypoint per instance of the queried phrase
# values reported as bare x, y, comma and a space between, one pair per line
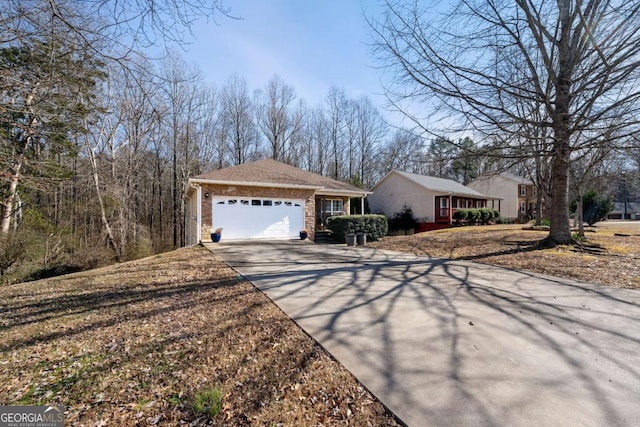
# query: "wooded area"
97, 140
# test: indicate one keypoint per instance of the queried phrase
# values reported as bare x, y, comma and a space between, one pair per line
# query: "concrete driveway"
444, 342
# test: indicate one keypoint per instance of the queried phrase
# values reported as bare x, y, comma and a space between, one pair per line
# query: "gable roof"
506, 175
271, 173
441, 185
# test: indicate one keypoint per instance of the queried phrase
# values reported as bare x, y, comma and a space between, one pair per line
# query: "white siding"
498, 186
394, 192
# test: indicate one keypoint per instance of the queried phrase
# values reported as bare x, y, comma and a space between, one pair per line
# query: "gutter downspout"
199, 215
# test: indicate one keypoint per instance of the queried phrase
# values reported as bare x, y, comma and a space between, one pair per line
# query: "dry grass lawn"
609, 256
180, 339
175, 339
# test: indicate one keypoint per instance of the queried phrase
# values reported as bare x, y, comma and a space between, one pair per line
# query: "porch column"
362, 204
450, 209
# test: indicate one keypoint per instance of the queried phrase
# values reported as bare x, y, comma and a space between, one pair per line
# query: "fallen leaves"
605, 258
132, 344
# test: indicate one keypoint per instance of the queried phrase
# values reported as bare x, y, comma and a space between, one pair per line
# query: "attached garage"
256, 218
263, 200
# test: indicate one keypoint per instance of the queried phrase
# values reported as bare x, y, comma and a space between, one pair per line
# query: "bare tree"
111, 29
238, 120
184, 103
316, 141
336, 111
401, 152
371, 129
276, 118
579, 60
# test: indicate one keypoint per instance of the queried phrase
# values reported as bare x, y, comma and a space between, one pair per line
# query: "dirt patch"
604, 257
175, 339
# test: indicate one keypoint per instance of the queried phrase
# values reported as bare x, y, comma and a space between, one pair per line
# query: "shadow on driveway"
445, 342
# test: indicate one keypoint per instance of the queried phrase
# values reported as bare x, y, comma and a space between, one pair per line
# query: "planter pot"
215, 237
361, 239
350, 239
303, 235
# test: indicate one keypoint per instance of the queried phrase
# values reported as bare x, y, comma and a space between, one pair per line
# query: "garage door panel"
247, 218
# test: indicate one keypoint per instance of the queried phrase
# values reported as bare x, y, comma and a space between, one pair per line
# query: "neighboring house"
515, 196
432, 200
632, 210
263, 199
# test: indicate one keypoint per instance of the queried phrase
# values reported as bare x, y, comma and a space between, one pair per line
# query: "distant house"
632, 210
432, 200
515, 197
263, 200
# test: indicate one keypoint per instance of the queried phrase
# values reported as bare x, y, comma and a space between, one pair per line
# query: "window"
523, 208
333, 206
256, 203
277, 203
232, 202
535, 191
244, 202
523, 190
267, 203
444, 203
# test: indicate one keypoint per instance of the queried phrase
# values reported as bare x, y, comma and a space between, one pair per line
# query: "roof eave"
319, 190
253, 184
352, 193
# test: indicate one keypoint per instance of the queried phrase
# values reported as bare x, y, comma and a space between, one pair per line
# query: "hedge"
476, 216
376, 226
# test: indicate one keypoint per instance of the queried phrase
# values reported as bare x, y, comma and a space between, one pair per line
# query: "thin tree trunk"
111, 241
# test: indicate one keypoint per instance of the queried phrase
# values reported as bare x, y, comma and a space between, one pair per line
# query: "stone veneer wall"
245, 191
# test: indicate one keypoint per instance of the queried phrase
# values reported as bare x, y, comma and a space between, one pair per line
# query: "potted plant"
216, 235
361, 238
350, 238
303, 234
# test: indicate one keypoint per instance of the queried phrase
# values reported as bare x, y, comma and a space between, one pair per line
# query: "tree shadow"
431, 336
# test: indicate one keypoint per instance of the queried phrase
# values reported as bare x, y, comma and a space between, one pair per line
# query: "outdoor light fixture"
206, 195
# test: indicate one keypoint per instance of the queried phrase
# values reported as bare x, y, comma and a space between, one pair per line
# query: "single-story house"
631, 209
432, 199
263, 200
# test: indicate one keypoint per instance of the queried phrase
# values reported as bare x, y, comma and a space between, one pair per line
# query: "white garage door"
256, 218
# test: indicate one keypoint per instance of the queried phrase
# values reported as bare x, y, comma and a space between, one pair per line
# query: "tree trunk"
539, 206
579, 215
560, 230
7, 203
111, 241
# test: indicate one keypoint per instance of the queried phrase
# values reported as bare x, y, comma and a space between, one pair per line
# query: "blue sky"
311, 44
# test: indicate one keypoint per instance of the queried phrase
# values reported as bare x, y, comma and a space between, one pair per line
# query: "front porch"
446, 206
328, 206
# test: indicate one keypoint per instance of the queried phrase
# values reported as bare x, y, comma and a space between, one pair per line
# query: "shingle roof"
506, 175
441, 184
632, 207
269, 171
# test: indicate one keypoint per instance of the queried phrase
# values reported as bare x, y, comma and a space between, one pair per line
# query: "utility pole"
624, 189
